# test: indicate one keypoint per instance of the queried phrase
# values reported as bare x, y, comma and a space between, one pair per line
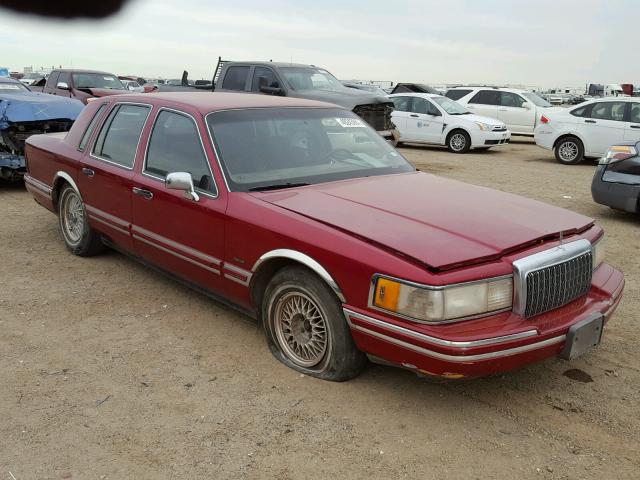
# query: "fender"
305, 260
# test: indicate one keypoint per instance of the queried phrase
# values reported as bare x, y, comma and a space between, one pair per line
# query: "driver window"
263, 77
508, 99
420, 105
175, 146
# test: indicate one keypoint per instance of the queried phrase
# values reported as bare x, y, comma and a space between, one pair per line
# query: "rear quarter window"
582, 112
92, 126
457, 94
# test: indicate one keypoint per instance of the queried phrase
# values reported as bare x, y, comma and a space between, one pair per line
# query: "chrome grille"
551, 278
555, 286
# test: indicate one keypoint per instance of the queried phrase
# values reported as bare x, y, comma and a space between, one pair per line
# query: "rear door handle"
590, 121
142, 192
414, 115
635, 126
88, 172
502, 109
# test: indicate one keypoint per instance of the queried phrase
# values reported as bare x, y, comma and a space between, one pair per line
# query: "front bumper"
485, 346
616, 194
490, 139
12, 167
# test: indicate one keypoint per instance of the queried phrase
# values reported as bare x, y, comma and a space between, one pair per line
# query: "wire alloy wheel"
72, 212
568, 151
301, 329
458, 142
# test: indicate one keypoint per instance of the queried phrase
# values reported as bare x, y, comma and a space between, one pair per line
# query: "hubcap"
568, 151
72, 217
300, 329
458, 142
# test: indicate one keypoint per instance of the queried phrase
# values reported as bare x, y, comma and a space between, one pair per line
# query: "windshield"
281, 147
449, 106
308, 78
536, 99
97, 80
11, 87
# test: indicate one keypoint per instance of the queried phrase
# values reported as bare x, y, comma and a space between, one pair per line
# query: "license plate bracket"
583, 336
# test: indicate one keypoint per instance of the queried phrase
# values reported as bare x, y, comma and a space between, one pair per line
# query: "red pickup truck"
298, 213
80, 84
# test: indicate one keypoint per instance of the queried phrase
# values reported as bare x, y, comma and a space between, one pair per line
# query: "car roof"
273, 64
8, 80
415, 94
489, 87
207, 102
79, 70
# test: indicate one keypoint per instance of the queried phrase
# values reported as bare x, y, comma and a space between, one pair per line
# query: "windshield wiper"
277, 186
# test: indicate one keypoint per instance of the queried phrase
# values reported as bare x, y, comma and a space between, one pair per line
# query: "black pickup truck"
305, 81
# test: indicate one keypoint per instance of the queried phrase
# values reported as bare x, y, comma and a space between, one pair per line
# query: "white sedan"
435, 119
589, 129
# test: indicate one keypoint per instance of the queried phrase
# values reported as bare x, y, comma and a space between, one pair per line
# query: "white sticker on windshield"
349, 122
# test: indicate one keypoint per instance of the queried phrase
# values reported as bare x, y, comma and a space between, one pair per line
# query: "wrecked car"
82, 85
308, 82
24, 113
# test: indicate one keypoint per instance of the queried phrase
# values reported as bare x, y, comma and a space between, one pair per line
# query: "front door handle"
143, 193
502, 109
88, 172
635, 126
414, 115
590, 121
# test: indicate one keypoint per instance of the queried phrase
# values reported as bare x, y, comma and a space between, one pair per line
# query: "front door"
106, 173
176, 233
516, 112
424, 123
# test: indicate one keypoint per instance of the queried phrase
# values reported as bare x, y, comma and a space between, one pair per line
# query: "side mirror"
63, 86
182, 181
131, 87
272, 91
526, 105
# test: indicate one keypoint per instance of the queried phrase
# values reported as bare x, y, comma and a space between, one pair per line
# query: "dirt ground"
110, 371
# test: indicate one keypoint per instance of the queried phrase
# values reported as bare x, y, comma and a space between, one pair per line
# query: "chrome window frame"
544, 259
204, 151
111, 162
376, 276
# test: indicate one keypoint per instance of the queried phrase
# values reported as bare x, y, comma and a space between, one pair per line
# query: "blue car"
24, 113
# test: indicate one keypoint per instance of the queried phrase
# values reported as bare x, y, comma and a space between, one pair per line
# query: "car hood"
103, 92
437, 222
347, 98
480, 118
34, 107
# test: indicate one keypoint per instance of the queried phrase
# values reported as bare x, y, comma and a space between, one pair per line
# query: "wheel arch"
569, 134
59, 179
271, 262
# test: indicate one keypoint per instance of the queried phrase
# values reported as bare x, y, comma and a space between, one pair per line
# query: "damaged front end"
27, 113
378, 115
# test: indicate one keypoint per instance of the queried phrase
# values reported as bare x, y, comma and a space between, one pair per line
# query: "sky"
544, 43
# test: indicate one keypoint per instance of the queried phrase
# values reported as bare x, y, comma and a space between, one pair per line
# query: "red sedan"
299, 214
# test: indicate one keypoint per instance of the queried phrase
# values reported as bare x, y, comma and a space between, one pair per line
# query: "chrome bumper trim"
434, 340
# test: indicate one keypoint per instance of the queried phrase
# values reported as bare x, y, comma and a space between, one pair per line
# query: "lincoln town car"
297, 213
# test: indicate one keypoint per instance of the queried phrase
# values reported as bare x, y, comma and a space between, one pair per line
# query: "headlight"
441, 304
483, 126
597, 253
618, 153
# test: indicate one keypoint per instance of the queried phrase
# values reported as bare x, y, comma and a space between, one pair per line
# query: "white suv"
518, 109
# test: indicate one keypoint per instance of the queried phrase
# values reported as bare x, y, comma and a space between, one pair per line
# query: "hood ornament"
561, 240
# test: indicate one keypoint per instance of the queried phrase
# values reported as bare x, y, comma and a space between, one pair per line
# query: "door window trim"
102, 125
143, 170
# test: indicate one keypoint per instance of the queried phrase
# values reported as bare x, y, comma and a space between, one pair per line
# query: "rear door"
178, 234
512, 111
632, 127
485, 102
105, 178
605, 127
400, 114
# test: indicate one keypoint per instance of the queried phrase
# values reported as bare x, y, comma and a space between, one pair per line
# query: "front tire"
569, 151
459, 141
306, 329
79, 238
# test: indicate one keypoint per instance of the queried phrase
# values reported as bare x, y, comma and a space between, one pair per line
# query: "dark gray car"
616, 182
309, 82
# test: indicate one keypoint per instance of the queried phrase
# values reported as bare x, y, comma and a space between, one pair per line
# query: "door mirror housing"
131, 87
272, 90
527, 105
63, 86
182, 181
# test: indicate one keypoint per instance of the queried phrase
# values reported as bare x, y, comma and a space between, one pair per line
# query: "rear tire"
306, 329
79, 238
459, 141
569, 151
